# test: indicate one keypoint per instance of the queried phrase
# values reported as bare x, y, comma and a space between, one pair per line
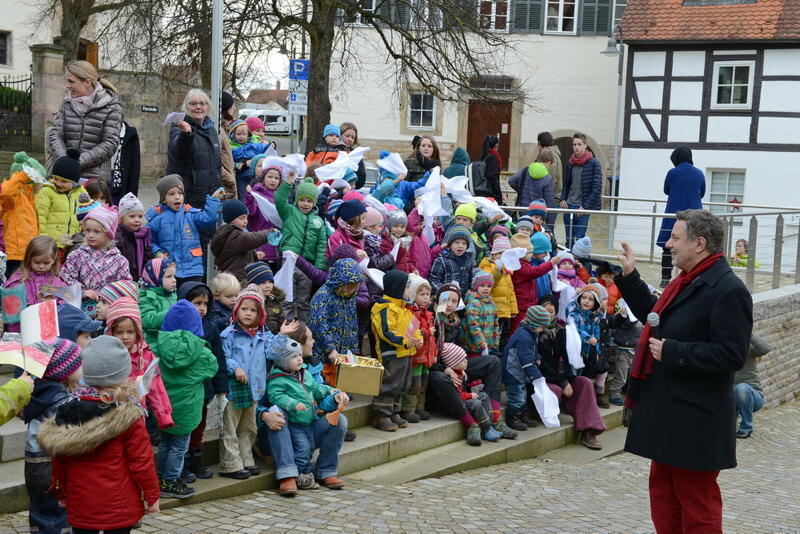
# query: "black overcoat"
685, 413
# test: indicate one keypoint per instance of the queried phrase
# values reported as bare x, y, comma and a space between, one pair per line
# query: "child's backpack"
477, 184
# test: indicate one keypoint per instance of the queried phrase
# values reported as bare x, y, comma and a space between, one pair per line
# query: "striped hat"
501, 243
482, 278
123, 308
116, 290
107, 217
526, 222
538, 207
253, 292
452, 355
333, 207
85, 205
66, 359
498, 229
457, 232
538, 316
258, 272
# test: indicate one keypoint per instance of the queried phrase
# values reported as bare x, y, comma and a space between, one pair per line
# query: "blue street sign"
298, 69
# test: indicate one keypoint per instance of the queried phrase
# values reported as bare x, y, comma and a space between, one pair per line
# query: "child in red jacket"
524, 278
413, 403
103, 469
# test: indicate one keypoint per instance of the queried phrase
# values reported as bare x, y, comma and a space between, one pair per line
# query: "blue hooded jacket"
72, 321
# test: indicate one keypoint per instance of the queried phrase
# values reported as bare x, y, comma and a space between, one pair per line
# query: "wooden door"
491, 117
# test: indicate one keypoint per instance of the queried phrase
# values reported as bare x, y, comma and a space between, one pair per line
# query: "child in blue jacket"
246, 343
175, 227
393, 189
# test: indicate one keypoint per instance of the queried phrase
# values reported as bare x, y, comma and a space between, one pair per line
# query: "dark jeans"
574, 226
442, 394
44, 513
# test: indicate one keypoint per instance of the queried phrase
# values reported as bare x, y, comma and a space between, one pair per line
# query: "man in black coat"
681, 385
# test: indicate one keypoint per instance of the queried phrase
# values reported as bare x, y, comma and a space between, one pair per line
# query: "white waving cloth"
393, 163
574, 346
284, 278
267, 209
546, 403
296, 162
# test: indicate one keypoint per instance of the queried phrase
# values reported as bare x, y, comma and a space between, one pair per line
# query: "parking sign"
298, 69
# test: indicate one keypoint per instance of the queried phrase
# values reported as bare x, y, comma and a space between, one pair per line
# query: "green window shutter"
595, 17
604, 13
528, 16
401, 14
383, 9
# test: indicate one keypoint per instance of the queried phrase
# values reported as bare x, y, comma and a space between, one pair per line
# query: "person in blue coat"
583, 186
685, 186
175, 227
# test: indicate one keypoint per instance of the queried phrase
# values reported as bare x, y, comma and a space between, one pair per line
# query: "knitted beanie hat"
482, 278
452, 355
306, 189
66, 359
354, 195
85, 205
123, 308
251, 292
22, 160
254, 123
106, 362
592, 291
117, 290
521, 241
350, 176
350, 209
501, 243
129, 204
232, 127
525, 222
166, 183
373, 217
68, 167
582, 247
541, 243
396, 217
106, 217
565, 257
231, 209
498, 229
333, 207
331, 129
538, 316
457, 232
284, 352
415, 283
258, 272
538, 207
537, 170
601, 291
470, 211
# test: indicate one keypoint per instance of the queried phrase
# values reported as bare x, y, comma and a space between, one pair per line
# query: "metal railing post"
778, 254
653, 234
797, 262
751, 254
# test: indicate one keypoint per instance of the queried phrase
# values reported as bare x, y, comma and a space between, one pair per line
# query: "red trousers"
683, 501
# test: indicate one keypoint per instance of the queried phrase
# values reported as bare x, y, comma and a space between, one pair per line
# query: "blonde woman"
89, 120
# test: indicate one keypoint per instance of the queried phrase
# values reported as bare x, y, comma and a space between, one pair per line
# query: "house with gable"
722, 77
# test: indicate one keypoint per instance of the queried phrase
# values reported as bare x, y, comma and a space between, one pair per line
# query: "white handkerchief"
268, 209
511, 257
457, 188
356, 155
175, 117
335, 169
393, 163
296, 162
284, 278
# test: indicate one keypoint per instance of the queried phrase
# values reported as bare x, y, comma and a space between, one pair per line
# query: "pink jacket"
33, 285
338, 238
157, 398
94, 268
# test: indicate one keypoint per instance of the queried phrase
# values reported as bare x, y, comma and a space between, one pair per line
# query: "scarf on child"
141, 238
153, 272
643, 361
349, 230
580, 161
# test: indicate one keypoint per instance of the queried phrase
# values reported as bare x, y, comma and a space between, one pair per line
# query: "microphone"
654, 321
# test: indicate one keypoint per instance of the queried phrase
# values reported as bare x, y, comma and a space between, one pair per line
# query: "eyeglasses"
201, 104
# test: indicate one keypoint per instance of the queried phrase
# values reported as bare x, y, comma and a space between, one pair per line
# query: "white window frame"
711, 193
751, 65
617, 20
575, 17
9, 47
359, 21
410, 110
492, 17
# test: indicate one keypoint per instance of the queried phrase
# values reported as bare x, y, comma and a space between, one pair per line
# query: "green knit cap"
22, 160
306, 189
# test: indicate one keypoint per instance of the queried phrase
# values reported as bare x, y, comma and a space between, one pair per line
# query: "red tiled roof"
264, 96
670, 20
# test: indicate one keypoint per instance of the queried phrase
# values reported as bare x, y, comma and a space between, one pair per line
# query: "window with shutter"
596, 17
528, 16
561, 16
494, 15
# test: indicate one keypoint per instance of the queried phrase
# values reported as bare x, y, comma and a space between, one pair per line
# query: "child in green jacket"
293, 389
157, 295
57, 203
185, 361
304, 233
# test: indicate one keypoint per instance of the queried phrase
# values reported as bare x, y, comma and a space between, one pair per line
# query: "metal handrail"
729, 204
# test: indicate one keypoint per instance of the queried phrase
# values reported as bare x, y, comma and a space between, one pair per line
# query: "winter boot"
411, 417
424, 414
194, 461
516, 423
187, 477
602, 401
529, 420
350, 435
490, 434
503, 428
474, 436
384, 423
589, 440
399, 421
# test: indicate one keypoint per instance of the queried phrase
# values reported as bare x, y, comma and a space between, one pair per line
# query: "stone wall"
776, 317
139, 91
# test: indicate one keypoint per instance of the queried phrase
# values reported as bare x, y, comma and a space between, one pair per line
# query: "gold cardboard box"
363, 376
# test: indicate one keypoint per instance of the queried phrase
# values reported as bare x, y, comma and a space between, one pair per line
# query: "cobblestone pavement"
608, 495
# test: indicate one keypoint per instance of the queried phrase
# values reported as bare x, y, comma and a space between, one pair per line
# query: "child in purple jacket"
271, 178
133, 237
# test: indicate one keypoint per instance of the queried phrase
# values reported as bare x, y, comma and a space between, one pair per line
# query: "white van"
275, 121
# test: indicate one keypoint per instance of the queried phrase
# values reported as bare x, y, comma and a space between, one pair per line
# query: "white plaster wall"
686, 96
567, 82
728, 130
781, 61
770, 180
689, 63
683, 129
21, 19
778, 130
650, 94
780, 96
649, 63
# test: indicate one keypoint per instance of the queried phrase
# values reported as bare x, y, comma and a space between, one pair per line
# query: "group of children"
436, 306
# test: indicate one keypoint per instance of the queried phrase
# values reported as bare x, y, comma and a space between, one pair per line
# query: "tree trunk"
320, 53
74, 17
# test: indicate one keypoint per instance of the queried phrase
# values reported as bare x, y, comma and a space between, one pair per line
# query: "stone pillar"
47, 91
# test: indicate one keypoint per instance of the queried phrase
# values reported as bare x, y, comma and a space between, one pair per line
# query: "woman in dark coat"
494, 164
685, 186
89, 119
424, 158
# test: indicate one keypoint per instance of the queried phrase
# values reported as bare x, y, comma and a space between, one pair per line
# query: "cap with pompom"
22, 160
68, 167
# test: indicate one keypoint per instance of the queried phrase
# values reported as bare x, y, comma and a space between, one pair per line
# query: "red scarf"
580, 161
643, 361
496, 154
